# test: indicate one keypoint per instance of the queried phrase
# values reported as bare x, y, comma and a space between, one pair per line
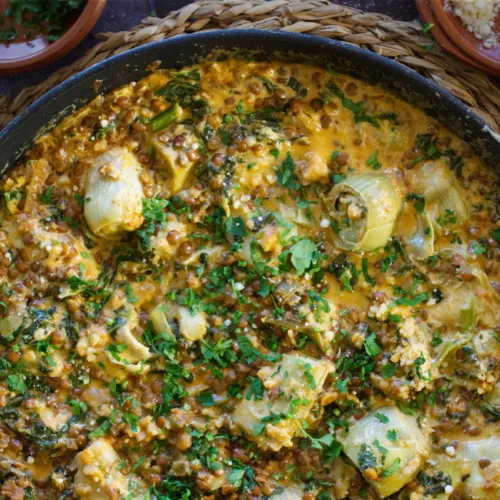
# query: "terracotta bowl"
464, 39
21, 55
442, 37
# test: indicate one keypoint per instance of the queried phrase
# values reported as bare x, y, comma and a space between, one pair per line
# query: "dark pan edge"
180, 51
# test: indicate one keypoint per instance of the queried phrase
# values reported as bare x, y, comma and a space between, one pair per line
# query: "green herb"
295, 85
42, 16
357, 108
382, 418
394, 250
46, 197
426, 28
388, 370
371, 346
426, 31
105, 130
205, 398
373, 162
366, 275
345, 271
255, 389
225, 137
8, 34
478, 249
250, 353
436, 340
16, 383
337, 178
129, 293
242, 476
268, 84
394, 467
395, 318
404, 301
418, 365
406, 408
235, 226
285, 175
392, 435
131, 420
183, 92
304, 254
418, 201
102, 429
428, 144
449, 218
194, 75
219, 353
115, 350
153, 211
274, 152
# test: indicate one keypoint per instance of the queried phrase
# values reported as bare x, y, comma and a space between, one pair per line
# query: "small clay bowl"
428, 16
471, 45
24, 55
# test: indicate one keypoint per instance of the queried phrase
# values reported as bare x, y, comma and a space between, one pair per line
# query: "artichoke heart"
395, 462
113, 194
364, 208
438, 185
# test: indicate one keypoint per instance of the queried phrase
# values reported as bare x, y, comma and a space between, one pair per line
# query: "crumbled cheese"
450, 451
381, 312
448, 489
239, 286
478, 16
271, 178
324, 223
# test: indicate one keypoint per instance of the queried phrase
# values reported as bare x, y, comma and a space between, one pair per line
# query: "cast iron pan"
180, 51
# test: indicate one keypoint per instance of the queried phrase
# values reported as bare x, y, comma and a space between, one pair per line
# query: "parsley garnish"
304, 254
285, 175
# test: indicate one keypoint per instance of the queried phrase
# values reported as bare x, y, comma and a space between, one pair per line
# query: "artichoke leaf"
435, 181
113, 194
132, 353
421, 243
191, 325
403, 457
468, 323
160, 323
364, 208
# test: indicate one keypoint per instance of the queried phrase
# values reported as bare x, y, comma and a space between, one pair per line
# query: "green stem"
166, 118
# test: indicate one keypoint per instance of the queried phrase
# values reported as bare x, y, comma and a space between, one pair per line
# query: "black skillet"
180, 51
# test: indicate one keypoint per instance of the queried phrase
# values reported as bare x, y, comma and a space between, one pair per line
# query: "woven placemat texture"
398, 40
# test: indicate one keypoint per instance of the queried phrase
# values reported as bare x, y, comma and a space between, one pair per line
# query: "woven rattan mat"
398, 40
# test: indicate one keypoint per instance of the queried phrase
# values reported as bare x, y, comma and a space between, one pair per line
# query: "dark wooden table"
120, 15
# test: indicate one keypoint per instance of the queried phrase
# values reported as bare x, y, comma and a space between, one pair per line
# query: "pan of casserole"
249, 265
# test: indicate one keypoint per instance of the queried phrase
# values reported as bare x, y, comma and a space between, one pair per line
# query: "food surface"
249, 280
